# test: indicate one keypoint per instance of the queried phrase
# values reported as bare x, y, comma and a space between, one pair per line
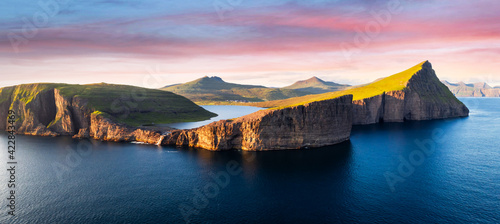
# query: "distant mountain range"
214, 90
480, 89
315, 85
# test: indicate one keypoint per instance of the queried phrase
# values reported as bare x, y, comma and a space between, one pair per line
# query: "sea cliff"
93, 111
423, 98
311, 125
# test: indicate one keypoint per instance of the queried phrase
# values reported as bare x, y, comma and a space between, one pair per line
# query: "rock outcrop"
311, 125
423, 98
107, 130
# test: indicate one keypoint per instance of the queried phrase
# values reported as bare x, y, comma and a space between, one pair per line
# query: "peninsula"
326, 119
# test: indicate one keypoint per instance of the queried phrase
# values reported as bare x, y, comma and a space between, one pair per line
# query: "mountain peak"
482, 85
316, 85
313, 79
427, 64
212, 79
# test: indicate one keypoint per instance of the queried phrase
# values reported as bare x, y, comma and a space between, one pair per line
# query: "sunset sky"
274, 43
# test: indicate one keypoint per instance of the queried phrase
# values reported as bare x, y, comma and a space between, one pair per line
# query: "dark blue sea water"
444, 171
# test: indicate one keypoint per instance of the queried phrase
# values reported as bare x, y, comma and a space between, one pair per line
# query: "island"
126, 113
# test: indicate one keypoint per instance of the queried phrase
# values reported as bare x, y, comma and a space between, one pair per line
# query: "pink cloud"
278, 39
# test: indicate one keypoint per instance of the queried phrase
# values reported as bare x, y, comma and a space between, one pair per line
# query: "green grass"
126, 104
214, 91
5, 94
27, 92
392, 83
137, 106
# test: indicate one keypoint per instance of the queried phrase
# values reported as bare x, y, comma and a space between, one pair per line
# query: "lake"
223, 112
445, 171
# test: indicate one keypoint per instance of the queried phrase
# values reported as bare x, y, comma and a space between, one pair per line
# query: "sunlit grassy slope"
392, 83
128, 104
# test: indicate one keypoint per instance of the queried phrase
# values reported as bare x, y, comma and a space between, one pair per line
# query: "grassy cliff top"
392, 83
127, 104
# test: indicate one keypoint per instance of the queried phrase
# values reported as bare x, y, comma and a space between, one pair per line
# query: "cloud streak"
283, 32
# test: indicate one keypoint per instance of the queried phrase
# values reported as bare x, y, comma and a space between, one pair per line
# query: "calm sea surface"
445, 171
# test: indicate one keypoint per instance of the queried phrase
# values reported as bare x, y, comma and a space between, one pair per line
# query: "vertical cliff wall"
311, 125
42, 110
5, 102
423, 98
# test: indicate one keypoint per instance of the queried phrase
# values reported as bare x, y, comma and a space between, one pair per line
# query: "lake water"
224, 112
63, 180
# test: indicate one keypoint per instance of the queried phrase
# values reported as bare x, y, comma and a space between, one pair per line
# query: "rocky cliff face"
5, 102
311, 125
48, 113
105, 129
34, 112
424, 98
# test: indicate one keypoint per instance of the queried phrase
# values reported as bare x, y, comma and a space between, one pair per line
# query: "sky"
153, 43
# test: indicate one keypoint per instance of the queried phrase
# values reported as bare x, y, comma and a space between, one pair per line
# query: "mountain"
479, 89
315, 85
102, 111
326, 119
214, 90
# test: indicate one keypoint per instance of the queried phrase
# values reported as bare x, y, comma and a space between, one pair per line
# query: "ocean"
441, 171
